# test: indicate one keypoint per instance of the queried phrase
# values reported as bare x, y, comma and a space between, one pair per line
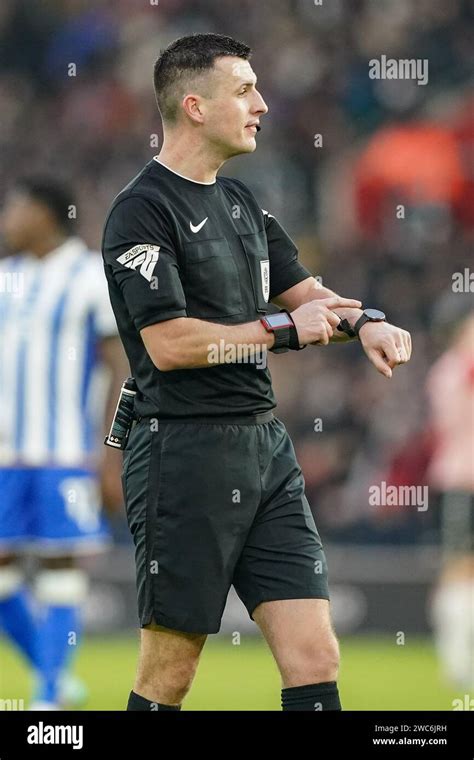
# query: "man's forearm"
113, 357
113, 393
196, 343
110, 465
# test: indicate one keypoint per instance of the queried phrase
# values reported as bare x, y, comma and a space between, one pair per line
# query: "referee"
214, 494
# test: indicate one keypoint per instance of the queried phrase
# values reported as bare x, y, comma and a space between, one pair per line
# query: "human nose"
260, 106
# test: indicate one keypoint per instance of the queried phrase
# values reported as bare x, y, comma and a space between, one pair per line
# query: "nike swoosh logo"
199, 226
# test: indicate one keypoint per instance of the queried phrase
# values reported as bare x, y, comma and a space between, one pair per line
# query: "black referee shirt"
172, 248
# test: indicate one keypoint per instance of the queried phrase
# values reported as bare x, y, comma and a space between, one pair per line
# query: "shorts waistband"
252, 419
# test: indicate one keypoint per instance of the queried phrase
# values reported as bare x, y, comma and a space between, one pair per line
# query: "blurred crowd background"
380, 205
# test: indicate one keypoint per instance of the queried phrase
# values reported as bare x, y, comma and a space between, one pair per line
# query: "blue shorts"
51, 511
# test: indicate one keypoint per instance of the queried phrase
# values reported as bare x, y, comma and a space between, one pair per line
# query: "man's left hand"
386, 346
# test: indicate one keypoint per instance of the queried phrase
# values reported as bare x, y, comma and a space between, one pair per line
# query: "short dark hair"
186, 57
56, 195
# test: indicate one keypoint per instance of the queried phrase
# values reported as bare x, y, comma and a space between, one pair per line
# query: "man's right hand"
316, 320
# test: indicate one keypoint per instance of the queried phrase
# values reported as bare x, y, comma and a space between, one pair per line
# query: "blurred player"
57, 332
451, 472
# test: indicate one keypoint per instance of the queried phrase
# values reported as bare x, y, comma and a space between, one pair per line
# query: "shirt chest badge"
265, 274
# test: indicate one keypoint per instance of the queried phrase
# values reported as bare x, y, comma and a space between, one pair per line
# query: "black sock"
312, 696
136, 702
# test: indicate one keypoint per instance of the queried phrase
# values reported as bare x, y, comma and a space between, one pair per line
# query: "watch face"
374, 314
278, 320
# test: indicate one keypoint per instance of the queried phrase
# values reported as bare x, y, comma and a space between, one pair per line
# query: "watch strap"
282, 340
294, 342
362, 320
353, 331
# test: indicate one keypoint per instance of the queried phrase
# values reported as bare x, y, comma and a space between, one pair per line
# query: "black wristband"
294, 343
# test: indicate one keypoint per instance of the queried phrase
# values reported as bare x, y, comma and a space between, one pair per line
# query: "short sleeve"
285, 269
140, 257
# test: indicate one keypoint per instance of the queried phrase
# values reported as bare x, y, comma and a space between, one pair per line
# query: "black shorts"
212, 504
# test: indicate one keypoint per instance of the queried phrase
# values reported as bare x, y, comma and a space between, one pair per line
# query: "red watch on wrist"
284, 330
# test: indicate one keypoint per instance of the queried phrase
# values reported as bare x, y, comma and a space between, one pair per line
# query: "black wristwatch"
284, 330
368, 315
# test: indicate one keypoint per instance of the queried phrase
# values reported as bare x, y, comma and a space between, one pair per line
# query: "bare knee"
169, 685
7, 559
60, 581
311, 661
167, 665
57, 563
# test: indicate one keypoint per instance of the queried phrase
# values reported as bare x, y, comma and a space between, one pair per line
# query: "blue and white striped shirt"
53, 312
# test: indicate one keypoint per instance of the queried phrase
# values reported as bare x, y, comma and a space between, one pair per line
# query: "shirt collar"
185, 182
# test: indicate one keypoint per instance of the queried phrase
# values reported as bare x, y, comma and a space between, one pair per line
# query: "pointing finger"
338, 302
